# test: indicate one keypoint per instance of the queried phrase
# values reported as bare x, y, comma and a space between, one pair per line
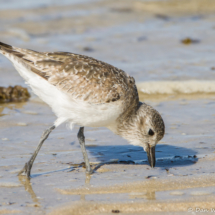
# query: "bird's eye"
151, 133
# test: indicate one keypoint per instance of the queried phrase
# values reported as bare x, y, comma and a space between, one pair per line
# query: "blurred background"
168, 46
152, 40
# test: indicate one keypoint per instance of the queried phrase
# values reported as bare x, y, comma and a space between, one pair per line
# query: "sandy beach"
168, 47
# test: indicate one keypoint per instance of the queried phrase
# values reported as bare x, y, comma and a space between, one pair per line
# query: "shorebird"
84, 91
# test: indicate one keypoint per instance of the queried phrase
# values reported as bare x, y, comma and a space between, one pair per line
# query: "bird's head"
146, 129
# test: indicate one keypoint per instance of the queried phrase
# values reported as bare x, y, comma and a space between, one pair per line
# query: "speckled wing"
81, 77
91, 80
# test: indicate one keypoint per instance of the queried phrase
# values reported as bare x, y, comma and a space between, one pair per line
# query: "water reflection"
87, 180
27, 185
149, 195
5, 109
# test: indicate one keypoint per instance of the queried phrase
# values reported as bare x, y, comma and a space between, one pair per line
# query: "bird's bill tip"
151, 156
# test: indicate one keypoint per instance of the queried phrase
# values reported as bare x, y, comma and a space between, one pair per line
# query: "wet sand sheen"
199, 200
144, 190
153, 185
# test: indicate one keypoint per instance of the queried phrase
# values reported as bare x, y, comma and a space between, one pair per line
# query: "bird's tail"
8, 51
18, 57
4, 45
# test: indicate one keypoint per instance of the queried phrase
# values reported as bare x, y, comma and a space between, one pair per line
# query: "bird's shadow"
166, 155
49, 172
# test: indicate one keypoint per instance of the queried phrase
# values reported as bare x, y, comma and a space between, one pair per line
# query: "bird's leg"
81, 139
27, 168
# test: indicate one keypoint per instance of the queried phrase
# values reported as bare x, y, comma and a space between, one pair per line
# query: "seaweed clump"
188, 41
14, 94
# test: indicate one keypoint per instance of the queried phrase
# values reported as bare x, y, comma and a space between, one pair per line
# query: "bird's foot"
26, 170
89, 171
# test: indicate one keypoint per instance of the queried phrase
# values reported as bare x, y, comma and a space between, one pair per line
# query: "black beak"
151, 156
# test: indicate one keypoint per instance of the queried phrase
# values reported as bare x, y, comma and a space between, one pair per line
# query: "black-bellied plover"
87, 92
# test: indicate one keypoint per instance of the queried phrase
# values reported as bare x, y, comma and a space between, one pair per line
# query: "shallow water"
147, 45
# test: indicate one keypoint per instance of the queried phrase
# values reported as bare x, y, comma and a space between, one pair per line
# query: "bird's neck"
124, 123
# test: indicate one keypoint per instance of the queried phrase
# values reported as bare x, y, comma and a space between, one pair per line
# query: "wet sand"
145, 42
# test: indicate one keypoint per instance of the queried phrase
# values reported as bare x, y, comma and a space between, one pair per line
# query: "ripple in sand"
9, 184
177, 193
200, 193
